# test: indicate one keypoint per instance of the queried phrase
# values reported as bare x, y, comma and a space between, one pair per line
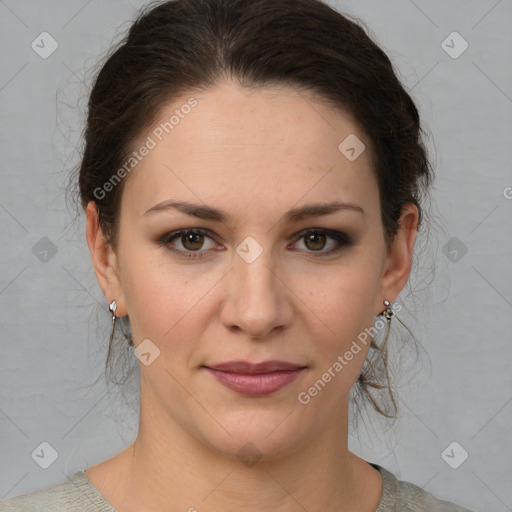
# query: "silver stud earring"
388, 312
112, 308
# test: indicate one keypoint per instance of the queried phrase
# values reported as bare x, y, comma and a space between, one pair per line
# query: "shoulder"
401, 495
76, 493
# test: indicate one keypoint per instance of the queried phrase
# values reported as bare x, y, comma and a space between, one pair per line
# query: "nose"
257, 298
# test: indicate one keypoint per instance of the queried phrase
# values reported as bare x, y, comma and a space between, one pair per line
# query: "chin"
257, 436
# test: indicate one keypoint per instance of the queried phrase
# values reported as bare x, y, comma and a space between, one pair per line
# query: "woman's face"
252, 286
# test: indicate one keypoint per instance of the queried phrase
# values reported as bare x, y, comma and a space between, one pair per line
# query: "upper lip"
247, 367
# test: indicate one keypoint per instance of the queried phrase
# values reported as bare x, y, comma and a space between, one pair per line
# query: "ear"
399, 260
104, 261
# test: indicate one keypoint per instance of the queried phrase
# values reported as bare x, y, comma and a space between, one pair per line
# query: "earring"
388, 312
112, 308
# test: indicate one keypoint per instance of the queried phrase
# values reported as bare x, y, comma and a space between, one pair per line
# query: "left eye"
317, 240
192, 241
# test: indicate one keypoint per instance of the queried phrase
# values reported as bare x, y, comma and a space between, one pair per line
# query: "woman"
252, 179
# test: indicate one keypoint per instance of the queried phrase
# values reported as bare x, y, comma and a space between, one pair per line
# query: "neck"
168, 468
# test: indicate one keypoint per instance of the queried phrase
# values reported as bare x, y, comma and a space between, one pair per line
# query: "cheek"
346, 300
165, 301
343, 307
150, 294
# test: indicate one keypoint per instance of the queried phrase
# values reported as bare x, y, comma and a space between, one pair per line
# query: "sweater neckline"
100, 504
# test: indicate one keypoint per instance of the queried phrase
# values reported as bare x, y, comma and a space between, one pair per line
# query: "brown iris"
313, 238
195, 239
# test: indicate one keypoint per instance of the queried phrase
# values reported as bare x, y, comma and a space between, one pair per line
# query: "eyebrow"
202, 211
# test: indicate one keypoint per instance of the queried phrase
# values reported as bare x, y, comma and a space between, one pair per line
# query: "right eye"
190, 239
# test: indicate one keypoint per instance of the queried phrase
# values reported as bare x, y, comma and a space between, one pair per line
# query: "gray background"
53, 334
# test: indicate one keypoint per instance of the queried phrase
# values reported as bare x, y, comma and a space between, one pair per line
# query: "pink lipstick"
255, 379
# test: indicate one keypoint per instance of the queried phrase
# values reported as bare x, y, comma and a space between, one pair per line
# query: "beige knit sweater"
78, 494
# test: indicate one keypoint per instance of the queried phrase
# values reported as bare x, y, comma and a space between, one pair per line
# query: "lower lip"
255, 384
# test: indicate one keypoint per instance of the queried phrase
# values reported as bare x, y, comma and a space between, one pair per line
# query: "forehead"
255, 148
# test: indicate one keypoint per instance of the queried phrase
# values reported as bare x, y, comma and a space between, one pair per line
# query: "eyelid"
167, 238
341, 238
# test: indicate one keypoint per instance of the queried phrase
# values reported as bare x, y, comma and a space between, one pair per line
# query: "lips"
252, 368
255, 379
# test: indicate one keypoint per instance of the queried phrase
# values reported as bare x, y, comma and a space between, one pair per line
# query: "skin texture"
254, 154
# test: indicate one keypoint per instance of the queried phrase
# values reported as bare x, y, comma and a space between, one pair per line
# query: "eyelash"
342, 240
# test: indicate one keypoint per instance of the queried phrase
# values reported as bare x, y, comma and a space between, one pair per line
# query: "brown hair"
175, 47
